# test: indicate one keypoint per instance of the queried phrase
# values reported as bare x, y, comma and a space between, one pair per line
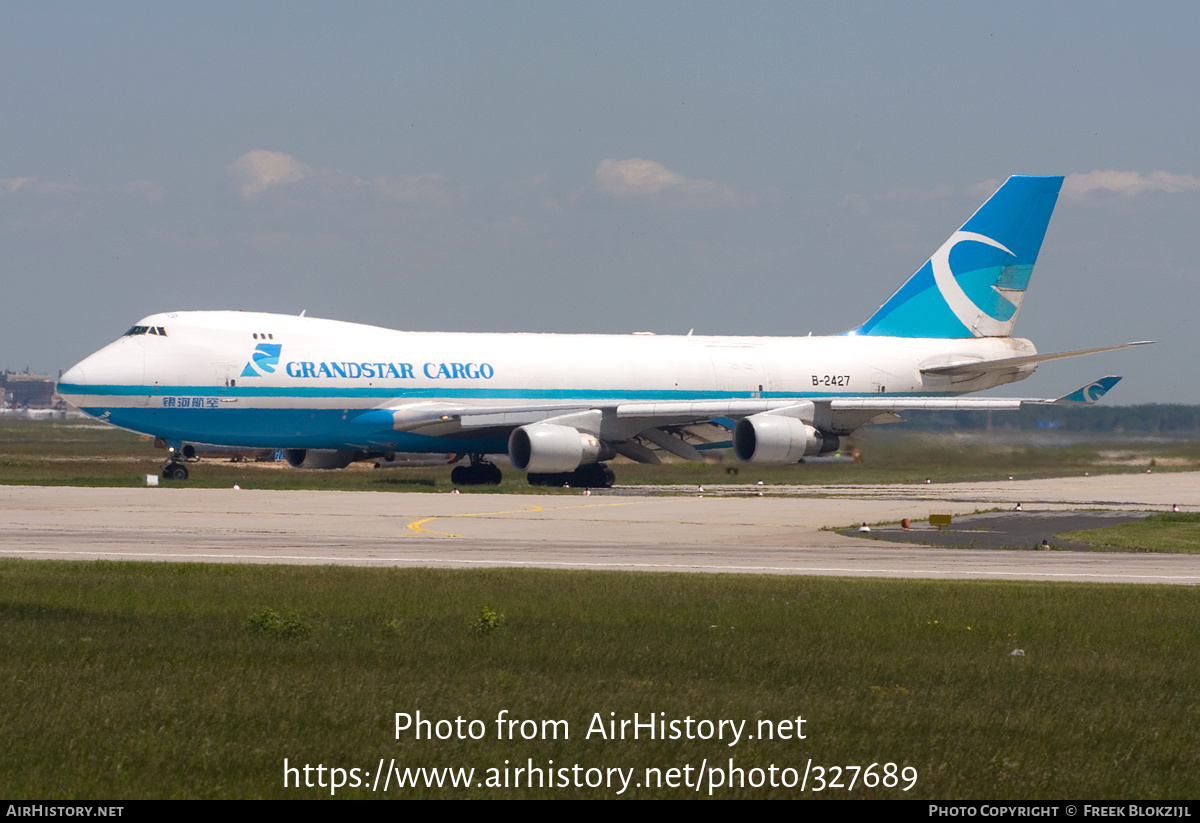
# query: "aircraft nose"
74, 376
73, 384
117, 364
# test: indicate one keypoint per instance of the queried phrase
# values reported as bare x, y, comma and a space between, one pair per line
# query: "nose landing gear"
174, 470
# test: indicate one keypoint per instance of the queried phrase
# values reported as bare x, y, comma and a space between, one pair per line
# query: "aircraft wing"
686, 428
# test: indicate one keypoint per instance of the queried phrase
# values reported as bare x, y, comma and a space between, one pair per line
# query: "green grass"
127, 680
1176, 532
90, 454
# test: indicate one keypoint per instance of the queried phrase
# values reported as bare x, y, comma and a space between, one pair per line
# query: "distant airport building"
22, 390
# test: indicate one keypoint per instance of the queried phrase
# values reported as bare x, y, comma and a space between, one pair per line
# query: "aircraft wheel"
175, 471
477, 474
593, 476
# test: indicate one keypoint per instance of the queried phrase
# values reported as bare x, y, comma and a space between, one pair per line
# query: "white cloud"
985, 189
35, 185
636, 178
258, 170
1078, 186
15, 184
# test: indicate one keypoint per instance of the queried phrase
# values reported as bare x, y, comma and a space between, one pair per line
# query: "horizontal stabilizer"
978, 367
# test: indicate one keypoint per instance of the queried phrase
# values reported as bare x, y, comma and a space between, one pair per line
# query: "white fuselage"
270, 380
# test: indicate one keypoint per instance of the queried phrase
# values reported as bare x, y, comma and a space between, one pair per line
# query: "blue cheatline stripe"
585, 395
369, 429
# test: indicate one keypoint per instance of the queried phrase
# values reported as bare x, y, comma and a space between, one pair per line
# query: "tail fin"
973, 285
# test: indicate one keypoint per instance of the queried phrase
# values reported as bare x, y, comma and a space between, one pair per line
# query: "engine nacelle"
320, 458
545, 448
774, 438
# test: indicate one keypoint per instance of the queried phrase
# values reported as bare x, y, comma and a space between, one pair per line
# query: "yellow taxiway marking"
416, 529
417, 526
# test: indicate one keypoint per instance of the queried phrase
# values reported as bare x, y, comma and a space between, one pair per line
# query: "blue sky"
766, 168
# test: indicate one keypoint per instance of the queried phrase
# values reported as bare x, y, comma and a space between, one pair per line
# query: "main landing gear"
591, 476
479, 473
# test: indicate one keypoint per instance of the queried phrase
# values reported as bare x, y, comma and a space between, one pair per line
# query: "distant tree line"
1151, 418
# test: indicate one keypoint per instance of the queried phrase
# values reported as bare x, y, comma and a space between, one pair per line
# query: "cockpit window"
159, 330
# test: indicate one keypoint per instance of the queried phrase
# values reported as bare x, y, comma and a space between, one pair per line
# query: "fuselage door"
226, 378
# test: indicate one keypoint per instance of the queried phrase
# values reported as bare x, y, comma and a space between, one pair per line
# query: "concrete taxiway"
718, 532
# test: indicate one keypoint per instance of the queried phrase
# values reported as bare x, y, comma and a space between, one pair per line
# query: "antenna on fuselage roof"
302, 311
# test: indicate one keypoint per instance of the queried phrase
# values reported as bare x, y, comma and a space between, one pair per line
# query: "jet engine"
774, 438
320, 458
549, 448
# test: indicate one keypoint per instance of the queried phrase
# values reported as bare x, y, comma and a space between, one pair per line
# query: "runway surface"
713, 532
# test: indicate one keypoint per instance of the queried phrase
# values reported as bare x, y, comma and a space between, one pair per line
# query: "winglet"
1089, 394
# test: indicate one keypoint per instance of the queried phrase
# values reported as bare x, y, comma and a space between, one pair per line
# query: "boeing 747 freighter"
560, 405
